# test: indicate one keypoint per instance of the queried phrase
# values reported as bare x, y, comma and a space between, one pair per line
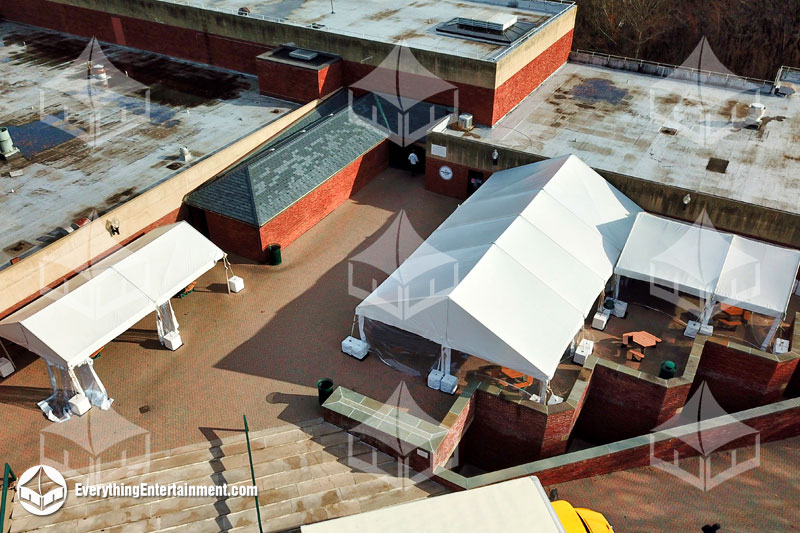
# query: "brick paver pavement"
258, 352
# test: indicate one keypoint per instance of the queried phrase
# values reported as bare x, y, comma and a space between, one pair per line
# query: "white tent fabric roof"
758, 276
511, 275
673, 253
711, 264
69, 323
469, 511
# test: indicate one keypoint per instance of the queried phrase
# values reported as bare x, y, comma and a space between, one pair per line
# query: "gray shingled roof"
265, 185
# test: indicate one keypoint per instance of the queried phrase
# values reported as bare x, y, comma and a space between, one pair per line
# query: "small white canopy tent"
716, 266
675, 254
71, 322
512, 274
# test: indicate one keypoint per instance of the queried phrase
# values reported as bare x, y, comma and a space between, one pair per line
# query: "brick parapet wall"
771, 422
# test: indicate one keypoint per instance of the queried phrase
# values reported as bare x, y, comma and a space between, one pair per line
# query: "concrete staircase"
305, 473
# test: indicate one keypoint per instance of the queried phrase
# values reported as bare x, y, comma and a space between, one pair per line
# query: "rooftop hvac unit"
498, 22
465, 121
303, 55
755, 114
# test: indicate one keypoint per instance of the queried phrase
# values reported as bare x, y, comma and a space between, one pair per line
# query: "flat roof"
663, 130
411, 22
89, 145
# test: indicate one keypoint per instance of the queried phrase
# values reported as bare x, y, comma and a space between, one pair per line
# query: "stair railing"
9, 477
252, 473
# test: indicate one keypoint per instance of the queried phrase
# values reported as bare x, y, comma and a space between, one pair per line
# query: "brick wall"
456, 186
502, 433
234, 236
388, 444
621, 406
741, 380
295, 83
137, 33
771, 426
487, 105
521, 84
251, 242
457, 429
316, 205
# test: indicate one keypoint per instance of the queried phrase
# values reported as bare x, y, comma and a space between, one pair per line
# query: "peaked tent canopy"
673, 253
758, 276
512, 274
711, 264
71, 322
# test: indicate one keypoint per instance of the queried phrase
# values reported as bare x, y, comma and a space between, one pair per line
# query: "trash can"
608, 303
324, 389
667, 370
274, 254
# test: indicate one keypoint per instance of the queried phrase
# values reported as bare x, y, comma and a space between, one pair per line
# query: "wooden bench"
635, 355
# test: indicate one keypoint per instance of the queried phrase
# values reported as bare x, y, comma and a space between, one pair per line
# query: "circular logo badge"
446, 173
41, 490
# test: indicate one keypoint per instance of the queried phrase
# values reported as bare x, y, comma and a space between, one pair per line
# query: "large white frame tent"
714, 265
70, 323
512, 274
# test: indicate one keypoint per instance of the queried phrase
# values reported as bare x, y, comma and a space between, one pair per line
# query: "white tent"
672, 253
475, 510
758, 276
512, 274
716, 266
71, 322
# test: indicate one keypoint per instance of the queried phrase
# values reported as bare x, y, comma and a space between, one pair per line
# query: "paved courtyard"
259, 352
648, 499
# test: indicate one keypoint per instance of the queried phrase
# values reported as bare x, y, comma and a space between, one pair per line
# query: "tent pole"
708, 310
543, 391
8, 355
771, 334
616, 287
361, 328
445, 359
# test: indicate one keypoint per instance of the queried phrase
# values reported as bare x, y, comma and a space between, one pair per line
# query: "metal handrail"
252, 472
590, 53
8, 477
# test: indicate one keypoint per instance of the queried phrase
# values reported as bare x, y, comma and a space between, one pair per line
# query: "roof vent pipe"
7, 148
186, 155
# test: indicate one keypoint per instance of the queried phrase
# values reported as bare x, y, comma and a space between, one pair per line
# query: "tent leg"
444, 360
543, 391
8, 355
361, 328
772, 331
616, 287
167, 324
707, 312
94, 388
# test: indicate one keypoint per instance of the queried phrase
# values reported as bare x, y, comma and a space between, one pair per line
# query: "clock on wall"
446, 172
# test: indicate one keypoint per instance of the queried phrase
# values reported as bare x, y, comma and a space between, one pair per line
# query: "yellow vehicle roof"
573, 519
